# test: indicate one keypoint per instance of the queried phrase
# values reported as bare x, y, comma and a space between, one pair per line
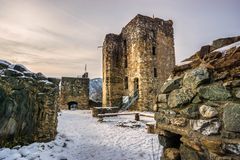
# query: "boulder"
231, 117
237, 93
189, 154
206, 127
191, 111
162, 98
236, 83
4, 64
179, 97
232, 148
224, 41
172, 154
196, 100
214, 145
192, 79
207, 111
12, 73
19, 67
214, 92
40, 76
170, 85
180, 122
162, 105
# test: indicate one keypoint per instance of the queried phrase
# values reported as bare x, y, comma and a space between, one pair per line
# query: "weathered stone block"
180, 122
179, 97
206, 127
189, 154
171, 85
213, 145
172, 154
196, 100
237, 93
191, 111
195, 77
214, 92
162, 98
207, 111
162, 105
191, 143
236, 83
232, 148
161, 118
231, 117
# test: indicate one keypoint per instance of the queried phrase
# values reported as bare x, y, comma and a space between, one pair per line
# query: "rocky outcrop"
28, 106
198, 110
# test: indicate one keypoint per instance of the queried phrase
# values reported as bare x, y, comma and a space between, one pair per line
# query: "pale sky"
58, 37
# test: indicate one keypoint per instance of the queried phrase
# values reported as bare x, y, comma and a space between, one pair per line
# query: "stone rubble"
204, 95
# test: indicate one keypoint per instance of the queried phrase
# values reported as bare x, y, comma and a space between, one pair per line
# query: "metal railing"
130, 102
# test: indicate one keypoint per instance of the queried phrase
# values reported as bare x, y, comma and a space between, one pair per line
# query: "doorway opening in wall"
72, 105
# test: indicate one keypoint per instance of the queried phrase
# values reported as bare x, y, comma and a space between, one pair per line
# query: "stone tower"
140, 59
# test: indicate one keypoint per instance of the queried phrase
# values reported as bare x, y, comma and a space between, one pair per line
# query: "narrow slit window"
126, 82
126, 61
125, 45
154, 50
155, 72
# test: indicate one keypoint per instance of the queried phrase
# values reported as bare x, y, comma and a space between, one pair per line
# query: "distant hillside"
95, 91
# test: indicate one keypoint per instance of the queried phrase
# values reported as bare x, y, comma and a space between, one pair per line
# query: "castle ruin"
137, 61
75, 92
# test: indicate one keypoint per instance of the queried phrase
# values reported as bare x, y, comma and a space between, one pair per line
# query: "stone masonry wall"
112, 70
198, 110
74, 90
28, 106
144, 44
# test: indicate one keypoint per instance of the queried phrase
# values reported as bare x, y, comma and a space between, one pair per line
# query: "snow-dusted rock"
207, 111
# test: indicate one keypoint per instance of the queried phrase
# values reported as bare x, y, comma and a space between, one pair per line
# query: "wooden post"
137, 117
150, 128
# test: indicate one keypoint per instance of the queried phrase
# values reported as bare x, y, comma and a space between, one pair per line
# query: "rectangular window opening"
154, 50
126, 82
126, 61
155, 72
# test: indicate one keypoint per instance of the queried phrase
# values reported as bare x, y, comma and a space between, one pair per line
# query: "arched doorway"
72, 105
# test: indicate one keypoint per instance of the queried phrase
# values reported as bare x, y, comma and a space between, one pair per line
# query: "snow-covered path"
81, 137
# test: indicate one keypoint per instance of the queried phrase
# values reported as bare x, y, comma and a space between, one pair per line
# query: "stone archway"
72, 105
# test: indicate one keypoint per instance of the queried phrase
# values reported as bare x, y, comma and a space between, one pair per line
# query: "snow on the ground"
225, 48
81, 137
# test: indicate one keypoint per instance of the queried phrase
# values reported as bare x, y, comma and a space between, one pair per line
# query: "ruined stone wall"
74, 90
112, 70
137, 40
28, 106
198, 110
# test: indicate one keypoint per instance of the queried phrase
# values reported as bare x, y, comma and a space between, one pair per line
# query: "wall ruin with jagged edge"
198, 110
74, 90
28, 106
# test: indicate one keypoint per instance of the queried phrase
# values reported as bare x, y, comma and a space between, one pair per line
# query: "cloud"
59, 37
